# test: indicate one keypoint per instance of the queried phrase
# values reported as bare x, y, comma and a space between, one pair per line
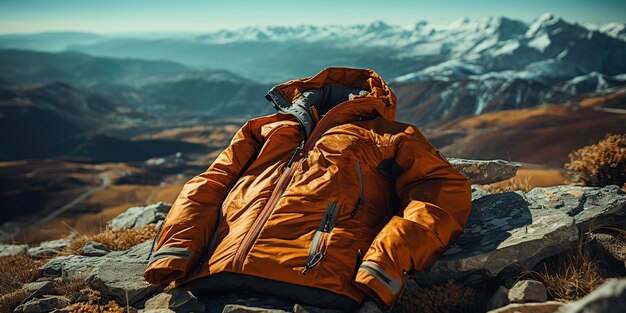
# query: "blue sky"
113, 16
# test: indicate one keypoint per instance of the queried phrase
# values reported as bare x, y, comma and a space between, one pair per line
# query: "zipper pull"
314, 260
359, 202
293, 156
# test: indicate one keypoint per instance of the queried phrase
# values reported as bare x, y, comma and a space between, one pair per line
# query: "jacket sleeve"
193, 217
436, 202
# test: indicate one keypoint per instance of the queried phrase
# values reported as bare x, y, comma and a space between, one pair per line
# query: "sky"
169, 16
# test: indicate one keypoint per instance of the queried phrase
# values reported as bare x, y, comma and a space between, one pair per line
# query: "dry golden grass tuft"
69, 287
442, 298
574, 274
121, 239
18, 270
514, 184
600, 164
84, 307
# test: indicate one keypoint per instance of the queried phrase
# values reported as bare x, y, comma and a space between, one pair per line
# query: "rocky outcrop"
118, 274
484, 172
514, 230
13, 250
49, 248
141, 216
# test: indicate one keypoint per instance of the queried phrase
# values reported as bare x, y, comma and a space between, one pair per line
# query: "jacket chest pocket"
317, 251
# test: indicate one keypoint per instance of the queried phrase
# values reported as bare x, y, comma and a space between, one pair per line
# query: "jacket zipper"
318, 244
284, 180
361, 200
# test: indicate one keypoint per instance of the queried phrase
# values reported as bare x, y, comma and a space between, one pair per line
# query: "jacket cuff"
378, 283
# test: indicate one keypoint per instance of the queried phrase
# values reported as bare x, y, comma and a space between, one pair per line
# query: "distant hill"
542, 135
57, 120
28, 67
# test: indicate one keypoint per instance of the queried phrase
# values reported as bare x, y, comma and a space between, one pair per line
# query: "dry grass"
514, 184
442, 298
70, 287
121, 239
600, 164
571, 275
83, 307
18, 270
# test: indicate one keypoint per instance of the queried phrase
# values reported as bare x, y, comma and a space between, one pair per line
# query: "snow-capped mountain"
447, 70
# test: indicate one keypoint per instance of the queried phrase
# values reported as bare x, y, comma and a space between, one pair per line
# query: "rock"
590, 206
512, 230
141, 216
49, 248
157, 311
176, 300
37, 289
502, 234
499, 298
541, 307
94, 249
13, 250
608, 298
237, 308
528, 291
45, 304
485, 171
610, 245
118, 274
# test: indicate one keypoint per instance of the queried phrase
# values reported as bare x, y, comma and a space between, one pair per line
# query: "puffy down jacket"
325, 201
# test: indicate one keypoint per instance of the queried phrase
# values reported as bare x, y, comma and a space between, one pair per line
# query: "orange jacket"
330, 194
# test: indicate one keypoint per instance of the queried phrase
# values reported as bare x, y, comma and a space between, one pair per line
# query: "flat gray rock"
141, 216
608, 298
13, 250
45, 304
176, 300
513, 230
116, 274
49, 248
94, 249
237, 308
485, 171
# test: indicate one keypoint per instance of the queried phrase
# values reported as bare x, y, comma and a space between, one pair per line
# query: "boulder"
94, 249
608, 298
528, 291
502, 234
49, 248
540, 307
45, 304
141, 216
590, 206
485, 171
512, 230
478, 192
176, 300
37, 289
13, 250
118, 274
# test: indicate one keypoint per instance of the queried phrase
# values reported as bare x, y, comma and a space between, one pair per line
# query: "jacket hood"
330, 87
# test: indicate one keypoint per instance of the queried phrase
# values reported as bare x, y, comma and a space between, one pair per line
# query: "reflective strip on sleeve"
171, 252
389, 281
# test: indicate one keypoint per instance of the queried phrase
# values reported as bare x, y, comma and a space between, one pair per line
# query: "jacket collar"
331, 87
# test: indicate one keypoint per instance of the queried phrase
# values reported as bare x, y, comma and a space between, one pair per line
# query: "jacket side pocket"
319, 242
